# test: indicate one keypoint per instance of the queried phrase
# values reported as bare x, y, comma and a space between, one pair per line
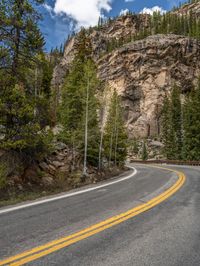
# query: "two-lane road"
168, 234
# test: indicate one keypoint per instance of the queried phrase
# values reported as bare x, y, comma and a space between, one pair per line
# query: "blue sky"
59, 16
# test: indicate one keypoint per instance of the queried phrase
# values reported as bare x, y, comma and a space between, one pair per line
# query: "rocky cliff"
116, 29
142, 72
193, 8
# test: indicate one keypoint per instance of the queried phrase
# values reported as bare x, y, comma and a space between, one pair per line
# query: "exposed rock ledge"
143, 73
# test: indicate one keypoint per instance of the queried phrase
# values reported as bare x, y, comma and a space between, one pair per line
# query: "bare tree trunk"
116, 132
111, 145
36, 91
116, 144
86, 131
100, 148
102, 133
73, 154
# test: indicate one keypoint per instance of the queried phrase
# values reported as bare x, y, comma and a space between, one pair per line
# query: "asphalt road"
168, 234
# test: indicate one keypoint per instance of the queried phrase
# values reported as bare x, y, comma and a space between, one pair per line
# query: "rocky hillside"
193, 8
121, 27
143, 71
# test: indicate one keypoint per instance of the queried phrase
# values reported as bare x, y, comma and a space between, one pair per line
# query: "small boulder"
60, 146
57, 164
47, 181
64, 169
51, 169
44, 166
156, 144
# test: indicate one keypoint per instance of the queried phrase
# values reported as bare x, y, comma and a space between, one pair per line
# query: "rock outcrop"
142, 72
121, 27
193, 8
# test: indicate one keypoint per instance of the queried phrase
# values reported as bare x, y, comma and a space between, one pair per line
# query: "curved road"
168, 234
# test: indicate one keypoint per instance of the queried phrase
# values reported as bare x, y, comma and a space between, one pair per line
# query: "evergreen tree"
78, 110
21, 80
72, 106
135, 146
172, 126
168, 136
21, 38
191, 125
144, 152
44, 96
91, 134
176, 120
19, 127
78, 96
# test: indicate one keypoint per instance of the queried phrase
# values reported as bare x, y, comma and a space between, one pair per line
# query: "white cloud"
150, 11
128, 1
85, 12
49, 9
123, 12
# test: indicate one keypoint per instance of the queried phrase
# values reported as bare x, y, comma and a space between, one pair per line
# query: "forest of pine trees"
25, 77
26, 98
79, 117
181, 125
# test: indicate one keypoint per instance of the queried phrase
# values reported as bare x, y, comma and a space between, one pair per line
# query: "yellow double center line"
58, 244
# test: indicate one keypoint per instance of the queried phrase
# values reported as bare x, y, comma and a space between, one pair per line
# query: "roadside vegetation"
79, 114
179, 138
181, 125
30, 108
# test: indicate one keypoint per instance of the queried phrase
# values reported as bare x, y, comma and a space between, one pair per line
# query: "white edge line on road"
68, 194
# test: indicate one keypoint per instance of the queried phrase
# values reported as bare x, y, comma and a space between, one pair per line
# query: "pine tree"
168, 136
71, 108
21, 38
144, 152
44, 96
78, 110
176, 116
135, 146
21, 42
90, 120
19, 127
191, 125
172, 132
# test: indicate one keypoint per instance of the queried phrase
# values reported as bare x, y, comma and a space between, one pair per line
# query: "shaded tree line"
25, 77
181, 125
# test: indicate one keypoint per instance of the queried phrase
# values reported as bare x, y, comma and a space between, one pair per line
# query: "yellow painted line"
58, 244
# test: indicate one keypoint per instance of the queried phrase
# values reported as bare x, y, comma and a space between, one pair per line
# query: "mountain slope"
142, 71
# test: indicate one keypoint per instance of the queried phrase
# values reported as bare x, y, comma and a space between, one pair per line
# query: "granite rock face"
119, 28
142, 72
